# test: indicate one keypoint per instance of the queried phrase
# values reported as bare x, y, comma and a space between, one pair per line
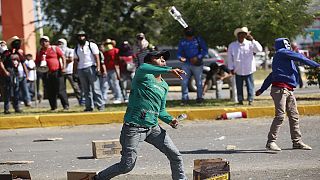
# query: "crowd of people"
91, 69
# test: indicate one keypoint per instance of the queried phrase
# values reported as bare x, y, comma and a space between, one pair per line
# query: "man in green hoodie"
147, 103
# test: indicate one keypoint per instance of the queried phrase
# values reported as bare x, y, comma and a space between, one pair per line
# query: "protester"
31, 65
103, 77
54, 81
241, 61
11, 59
126, 67
25, 96
3, 71
143, 48
111, 61
68, 74
191, 50
218, 72
284, 78
86, 55
147, 103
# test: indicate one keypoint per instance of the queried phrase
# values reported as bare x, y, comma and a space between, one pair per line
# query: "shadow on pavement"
85, 157
206, 151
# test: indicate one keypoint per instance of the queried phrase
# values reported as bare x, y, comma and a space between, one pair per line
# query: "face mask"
81, 41
3, 48
287, 44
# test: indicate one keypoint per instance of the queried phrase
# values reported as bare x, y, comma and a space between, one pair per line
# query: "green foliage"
214, 20
313, 74
117, 19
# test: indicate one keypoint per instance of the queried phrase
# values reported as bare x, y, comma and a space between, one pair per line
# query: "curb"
74, 119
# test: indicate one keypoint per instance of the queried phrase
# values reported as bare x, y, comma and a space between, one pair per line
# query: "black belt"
136, 125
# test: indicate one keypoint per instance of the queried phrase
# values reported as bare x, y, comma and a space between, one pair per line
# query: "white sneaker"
117, 101
301, 145
272, 146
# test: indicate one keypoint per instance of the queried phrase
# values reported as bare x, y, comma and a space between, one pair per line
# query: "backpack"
76, 49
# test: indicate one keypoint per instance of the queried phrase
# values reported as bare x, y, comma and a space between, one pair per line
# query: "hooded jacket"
283, 68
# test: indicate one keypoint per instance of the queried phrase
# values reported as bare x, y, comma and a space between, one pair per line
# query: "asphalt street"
174, 94
195, 140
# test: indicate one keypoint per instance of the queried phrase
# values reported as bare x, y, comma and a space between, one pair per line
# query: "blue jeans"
250, 86
126, 78
196, 71
113, 82
24, 89
91, 87
131, 137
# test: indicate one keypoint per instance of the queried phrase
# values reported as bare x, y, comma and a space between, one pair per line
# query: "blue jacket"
283, 68
190, 49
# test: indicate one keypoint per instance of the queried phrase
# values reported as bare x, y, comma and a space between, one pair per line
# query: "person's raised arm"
301, 58
156, 70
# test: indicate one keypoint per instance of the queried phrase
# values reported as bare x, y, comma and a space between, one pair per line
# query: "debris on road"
232, 115
231, 147
16, 162
48, 139
211, 169
220, 138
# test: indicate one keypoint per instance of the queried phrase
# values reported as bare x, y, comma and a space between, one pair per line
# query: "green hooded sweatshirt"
147, 100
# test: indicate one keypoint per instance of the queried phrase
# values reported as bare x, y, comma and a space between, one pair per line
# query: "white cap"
45, 37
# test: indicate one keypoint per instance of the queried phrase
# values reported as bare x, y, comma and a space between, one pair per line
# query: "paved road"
175, 94
195, 140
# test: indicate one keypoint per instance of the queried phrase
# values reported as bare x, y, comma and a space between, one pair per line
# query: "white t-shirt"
32, 73
86, 58
68, 53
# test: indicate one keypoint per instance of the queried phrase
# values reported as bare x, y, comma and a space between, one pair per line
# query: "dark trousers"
56, 87
11, 91
74, 84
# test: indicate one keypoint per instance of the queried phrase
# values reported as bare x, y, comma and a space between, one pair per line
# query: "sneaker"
18, 111
272, 146
184, 102
88, 110
7, 112
240, 103
301, 145
66, 108
28, 104
250, 103
117, 101
199, 100
101, 108
126, 100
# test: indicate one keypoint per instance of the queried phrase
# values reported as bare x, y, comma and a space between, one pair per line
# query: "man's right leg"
185, 83
129, 139
239, 85
83, 77
279, 98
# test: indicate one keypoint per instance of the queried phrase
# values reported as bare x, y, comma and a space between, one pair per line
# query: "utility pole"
39, 15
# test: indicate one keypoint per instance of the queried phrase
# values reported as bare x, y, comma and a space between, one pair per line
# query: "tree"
120, 20
214, 20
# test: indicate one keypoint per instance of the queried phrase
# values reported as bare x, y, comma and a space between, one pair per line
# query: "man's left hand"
174, 123
177, 72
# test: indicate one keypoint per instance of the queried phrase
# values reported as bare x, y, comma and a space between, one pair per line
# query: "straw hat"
10, 40
239, 30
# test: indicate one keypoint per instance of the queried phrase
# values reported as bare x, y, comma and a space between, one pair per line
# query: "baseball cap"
164, 53
44, 37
